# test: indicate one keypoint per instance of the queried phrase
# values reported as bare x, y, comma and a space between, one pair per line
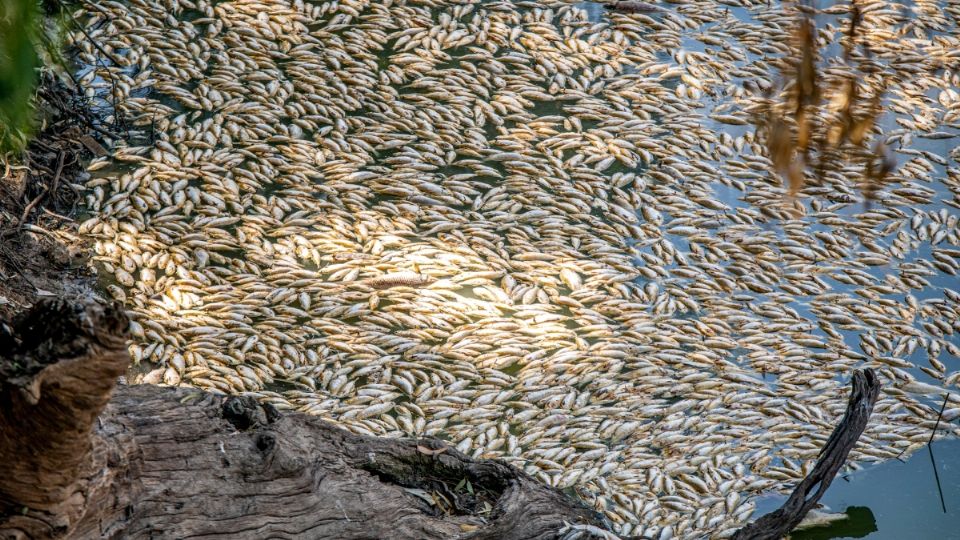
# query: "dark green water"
893, 500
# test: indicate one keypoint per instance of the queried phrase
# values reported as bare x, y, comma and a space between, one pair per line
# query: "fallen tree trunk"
158, 462
779, 523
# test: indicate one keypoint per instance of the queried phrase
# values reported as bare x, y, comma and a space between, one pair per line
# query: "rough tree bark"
157, 462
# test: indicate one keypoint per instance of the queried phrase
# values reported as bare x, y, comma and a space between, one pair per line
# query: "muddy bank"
40, 251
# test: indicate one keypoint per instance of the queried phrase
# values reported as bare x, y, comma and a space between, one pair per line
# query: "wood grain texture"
56, 375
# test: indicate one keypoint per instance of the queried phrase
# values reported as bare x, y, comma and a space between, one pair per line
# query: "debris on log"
87, 460
779, 523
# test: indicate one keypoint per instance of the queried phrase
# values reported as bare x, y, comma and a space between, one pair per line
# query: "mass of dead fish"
544, 231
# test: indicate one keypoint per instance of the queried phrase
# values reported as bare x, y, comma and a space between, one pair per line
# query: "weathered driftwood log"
779, 523
174, 463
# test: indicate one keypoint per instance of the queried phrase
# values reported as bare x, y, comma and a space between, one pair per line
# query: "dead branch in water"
779, 523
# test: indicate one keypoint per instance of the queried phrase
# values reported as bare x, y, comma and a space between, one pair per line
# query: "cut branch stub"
57, 370
779, 523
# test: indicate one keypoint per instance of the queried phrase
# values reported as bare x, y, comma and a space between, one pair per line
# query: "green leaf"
19, 35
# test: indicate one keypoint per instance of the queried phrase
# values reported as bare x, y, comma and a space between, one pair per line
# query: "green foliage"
19, 29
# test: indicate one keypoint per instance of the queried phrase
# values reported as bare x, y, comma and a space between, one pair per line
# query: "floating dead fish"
546, 233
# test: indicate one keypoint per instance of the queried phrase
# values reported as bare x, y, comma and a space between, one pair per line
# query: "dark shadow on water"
859, 523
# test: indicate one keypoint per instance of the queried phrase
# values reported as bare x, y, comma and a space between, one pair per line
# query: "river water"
551, 233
